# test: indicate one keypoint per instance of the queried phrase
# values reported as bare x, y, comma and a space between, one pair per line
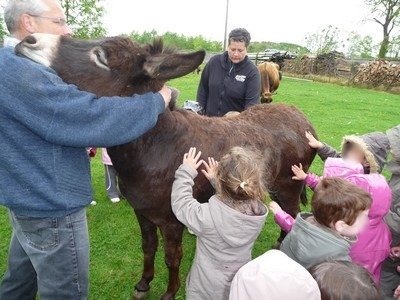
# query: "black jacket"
225, 86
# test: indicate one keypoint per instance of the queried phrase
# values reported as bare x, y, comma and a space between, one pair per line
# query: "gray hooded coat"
225, 238
393, 218
309, 243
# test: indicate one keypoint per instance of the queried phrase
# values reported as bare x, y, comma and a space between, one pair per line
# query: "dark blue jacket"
44, 129
225, 86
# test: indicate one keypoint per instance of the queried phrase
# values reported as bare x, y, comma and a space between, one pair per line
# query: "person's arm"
323, 150
283, 219
62, 114
253, 89
327, 151
312, 180
203, 89
187, 209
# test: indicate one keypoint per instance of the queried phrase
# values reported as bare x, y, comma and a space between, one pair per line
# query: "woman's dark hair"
344, 280
240, 35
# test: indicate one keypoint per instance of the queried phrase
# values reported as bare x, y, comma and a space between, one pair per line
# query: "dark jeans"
48, 256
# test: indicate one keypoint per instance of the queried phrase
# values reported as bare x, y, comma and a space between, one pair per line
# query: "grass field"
116, 257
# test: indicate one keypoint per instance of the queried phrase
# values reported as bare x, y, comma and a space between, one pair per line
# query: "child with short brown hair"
228, 225
344, 280
339, 212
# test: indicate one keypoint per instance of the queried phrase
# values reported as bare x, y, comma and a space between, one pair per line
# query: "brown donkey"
146, 166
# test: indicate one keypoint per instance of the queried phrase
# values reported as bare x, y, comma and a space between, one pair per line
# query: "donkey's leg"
149, 247
172, 235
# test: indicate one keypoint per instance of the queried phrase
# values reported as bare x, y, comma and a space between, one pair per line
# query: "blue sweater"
44, 129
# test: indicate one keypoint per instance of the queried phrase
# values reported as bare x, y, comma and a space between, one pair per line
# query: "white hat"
273, 275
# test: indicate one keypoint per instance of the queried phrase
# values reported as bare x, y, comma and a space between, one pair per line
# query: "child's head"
239, 175
341, 205
344, 280
356, 149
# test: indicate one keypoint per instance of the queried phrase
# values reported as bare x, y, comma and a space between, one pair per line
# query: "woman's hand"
298, 172
211, 168
313, 142
192, 159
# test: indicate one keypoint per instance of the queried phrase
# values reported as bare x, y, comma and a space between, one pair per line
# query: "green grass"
116, 256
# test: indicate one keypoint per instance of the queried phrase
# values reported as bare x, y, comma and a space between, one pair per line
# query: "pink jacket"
373, 243
105, 158
335, 167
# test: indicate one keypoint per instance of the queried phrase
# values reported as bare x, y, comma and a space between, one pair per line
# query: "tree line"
178, 41
85, 19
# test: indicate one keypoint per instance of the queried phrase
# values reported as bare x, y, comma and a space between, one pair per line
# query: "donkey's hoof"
138, 295
167, 296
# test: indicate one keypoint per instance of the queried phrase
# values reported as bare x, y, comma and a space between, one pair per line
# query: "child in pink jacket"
373, 244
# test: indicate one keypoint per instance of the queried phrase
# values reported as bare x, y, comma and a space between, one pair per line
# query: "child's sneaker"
115, 200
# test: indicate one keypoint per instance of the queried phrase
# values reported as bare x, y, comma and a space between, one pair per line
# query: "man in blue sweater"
44, 175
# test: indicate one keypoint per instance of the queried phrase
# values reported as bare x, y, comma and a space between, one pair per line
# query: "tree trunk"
385, 43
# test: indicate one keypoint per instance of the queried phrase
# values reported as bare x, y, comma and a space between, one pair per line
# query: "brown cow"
146, 166
270, 79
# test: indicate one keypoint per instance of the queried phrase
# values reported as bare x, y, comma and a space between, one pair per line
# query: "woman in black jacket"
230, 81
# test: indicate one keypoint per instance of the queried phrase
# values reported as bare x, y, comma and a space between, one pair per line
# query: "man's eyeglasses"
60, 21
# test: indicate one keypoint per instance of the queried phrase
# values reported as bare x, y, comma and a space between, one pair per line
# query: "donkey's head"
110, 66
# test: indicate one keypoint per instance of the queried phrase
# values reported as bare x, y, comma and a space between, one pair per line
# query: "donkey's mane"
157, 47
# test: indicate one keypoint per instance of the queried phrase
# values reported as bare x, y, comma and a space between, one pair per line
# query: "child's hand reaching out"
396, 294
274, 207
211, 168
192, 159
298, 172
395, 252
313, 142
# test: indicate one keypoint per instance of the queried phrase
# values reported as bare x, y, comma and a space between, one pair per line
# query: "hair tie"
242, 184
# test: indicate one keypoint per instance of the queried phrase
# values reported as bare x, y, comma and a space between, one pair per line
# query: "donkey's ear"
98, 55
168, 66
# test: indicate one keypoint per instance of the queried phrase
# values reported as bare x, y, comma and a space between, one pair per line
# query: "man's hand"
166, 94
298, 172
211, 168
313, 142
192, 159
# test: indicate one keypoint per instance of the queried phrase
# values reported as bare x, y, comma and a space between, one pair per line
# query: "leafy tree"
3, 30
324, 41
262, 46
178, 41
359, 47
85, 17
387, 14
394, 48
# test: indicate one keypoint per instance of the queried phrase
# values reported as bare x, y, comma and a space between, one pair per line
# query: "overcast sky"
266, 20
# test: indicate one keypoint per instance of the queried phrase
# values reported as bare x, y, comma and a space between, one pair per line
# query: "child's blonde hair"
239, 175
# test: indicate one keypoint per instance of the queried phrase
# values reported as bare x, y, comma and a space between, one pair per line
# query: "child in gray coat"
227, 226
339, 212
